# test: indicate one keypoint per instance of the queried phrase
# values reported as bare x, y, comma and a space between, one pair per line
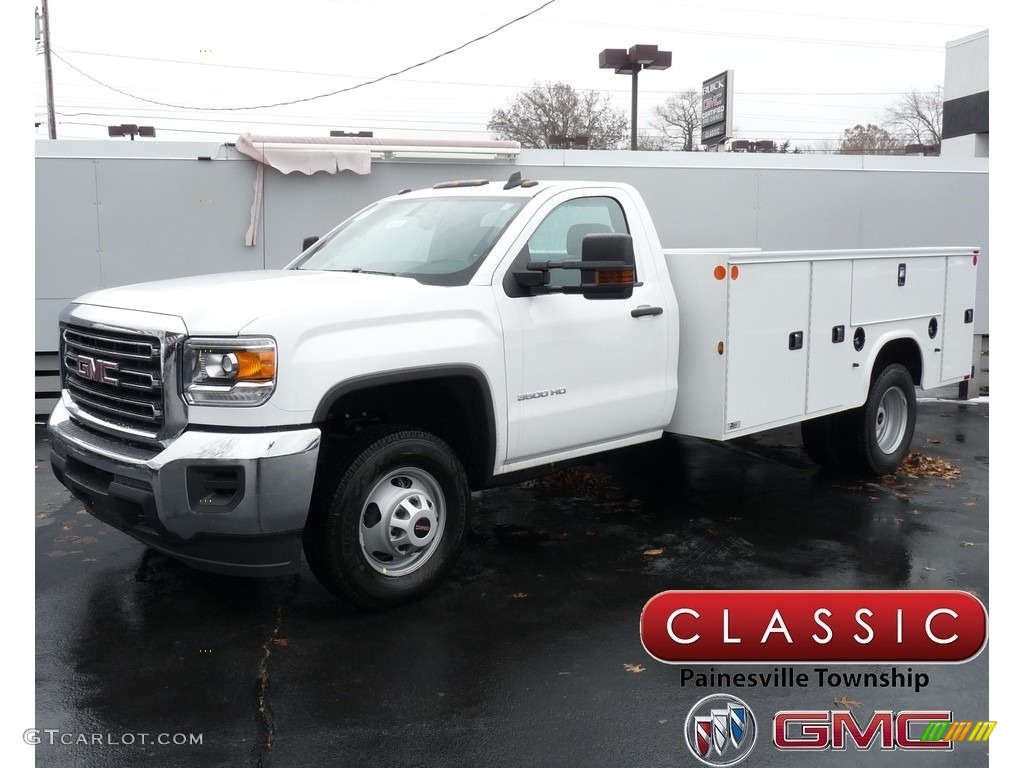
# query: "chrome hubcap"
402, 521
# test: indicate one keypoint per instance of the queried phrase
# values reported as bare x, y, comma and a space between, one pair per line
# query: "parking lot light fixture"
630, 62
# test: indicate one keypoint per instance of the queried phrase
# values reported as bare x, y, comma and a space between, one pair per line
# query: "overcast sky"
804, 70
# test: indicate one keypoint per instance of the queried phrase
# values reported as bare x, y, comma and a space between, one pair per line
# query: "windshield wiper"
360, 270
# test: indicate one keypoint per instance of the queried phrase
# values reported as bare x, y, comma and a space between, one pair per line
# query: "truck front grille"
114, 376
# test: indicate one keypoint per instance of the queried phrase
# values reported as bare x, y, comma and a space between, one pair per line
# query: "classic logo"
720, 730
97, 370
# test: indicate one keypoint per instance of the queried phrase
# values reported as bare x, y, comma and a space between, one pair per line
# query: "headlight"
229, 371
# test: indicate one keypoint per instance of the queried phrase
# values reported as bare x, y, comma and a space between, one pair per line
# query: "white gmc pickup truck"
465, 336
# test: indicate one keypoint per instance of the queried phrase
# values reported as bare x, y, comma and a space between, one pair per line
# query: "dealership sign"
808, 627
716, 109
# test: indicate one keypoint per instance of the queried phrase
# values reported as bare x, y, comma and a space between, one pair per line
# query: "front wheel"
885, 423
388, 519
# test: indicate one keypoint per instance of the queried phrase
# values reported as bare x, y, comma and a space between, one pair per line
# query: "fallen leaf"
845, 702
519, 595
919, 465
571, 479
634, 668
653, 552
933, 441
966, 543
662, 722
281, 641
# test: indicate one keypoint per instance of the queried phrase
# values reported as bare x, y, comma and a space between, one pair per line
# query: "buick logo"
97, 370
720, 730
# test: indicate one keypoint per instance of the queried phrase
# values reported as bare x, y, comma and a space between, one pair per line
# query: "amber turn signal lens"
256, 364
624, 276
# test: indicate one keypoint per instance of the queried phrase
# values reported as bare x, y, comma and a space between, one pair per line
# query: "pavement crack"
265, 726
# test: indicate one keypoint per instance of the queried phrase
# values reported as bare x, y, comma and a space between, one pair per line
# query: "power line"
445, 82
323, 95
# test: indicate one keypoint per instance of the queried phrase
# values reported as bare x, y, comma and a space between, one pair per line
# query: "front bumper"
228, 502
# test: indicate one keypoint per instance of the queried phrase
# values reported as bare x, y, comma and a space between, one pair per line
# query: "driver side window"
560, 236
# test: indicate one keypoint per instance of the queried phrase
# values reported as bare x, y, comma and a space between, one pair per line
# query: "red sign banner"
809, 627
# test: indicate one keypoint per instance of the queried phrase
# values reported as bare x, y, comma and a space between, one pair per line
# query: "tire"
819, 436
388, 519
829, 441
884, 425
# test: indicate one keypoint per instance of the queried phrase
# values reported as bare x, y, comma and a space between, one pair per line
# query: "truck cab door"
582, 372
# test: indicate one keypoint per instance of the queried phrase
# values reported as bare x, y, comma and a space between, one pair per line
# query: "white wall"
110, 213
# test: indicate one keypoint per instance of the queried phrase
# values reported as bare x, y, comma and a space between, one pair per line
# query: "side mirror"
615, 277
607, 269
308, 241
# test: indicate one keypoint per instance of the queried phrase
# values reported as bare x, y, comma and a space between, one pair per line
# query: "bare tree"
648, 142
822, 147
916, 118
868, 140
560, 112
678, 120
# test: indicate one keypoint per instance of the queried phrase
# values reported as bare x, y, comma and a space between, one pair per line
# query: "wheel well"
902, 351
455, 408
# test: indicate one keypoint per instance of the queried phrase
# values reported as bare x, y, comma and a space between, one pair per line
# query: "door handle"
646, 310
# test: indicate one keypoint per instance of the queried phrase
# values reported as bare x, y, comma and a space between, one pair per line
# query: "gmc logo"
837, 729
97, 370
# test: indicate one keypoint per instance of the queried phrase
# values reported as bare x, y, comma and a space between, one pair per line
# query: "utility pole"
51, 117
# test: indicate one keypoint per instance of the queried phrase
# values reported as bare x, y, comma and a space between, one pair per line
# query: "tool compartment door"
767, 342
832, 381
958, 317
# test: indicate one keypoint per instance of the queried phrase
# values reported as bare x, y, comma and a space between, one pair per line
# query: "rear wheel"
820, 437
885, 424
872, 439
388, 519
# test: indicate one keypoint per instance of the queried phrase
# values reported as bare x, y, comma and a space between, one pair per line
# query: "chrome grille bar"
116, 377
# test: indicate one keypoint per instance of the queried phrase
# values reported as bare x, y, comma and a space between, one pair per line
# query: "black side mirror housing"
609, 283
607, 267
308, 241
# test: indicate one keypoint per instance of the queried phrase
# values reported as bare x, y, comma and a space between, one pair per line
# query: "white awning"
311, 154
304, 154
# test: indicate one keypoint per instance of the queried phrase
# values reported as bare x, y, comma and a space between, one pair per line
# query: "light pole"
630, 63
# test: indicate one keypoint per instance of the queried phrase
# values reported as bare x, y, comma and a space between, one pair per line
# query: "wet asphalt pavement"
529, 655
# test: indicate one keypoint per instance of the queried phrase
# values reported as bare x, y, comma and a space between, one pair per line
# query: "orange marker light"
719, 272
624, 276
255, 364
735, 273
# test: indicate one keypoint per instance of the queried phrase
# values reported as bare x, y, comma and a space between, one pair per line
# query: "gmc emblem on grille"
97, 370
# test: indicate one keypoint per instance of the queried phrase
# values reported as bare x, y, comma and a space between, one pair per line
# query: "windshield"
440, 241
